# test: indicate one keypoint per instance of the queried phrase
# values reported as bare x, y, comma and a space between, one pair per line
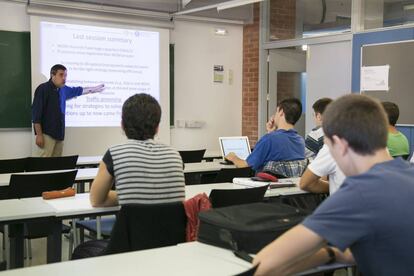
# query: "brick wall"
282, 19
288, 85
251, 77
282, 26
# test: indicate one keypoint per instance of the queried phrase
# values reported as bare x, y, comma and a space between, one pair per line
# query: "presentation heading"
102, 38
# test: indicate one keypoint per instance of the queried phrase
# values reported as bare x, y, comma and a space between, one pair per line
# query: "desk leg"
54, 243
16, 245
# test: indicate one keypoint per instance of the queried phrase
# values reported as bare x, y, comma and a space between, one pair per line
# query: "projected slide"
125, 60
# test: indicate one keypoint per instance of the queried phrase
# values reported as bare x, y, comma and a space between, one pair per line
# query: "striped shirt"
313, 142
146, 172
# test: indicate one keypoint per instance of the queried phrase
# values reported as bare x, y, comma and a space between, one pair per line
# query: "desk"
205, 167
88, 174
185, 259
192, 190
93, 161
191, 258
15, 213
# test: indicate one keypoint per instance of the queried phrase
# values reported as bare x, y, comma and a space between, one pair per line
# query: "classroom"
220, 137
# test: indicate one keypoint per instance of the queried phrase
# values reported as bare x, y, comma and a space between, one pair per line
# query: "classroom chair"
51, 163
228, 197
139, 227
227, 175
192, 156
32, 185
13, 165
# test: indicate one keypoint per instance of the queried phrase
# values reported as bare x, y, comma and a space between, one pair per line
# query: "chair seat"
107, 224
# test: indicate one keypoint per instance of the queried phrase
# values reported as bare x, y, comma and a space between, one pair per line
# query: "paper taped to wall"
375, 78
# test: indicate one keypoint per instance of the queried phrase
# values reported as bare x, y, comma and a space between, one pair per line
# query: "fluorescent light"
408, 7
304, 47
220, 31
235, 3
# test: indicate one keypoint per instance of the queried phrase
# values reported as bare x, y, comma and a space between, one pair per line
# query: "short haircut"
358, 119
320, 105
392, 111
141, 115
292, 108
55, 68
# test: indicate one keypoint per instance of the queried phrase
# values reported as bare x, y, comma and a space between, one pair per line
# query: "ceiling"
243, 13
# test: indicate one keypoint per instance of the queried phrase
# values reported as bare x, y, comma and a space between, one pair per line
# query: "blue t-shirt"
372, 214
278, 145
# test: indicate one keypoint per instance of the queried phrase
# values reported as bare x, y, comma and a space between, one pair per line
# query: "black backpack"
248, 227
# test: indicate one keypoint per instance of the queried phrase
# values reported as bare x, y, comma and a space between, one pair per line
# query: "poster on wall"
375, 78
218, 73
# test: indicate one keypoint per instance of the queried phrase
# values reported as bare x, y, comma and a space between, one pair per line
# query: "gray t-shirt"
372, 214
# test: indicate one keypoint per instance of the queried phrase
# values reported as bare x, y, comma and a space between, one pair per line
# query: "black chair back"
405, 156
51, 163
227, 175
32, 185
140, 226
13, 165
223, 197
192, 156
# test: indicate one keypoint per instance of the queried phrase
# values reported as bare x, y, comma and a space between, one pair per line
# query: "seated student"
144, 171
314, 139
281, 144
322, 166
397, 142
368, 220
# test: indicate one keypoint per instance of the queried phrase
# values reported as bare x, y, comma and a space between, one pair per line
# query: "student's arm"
101, 194
239, 163
281, 257
313, 183
297, 250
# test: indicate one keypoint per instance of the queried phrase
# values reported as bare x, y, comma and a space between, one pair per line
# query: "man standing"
48, 110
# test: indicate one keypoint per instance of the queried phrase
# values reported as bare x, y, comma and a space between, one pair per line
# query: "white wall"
197, 50
197, 97
328, 70
14, 143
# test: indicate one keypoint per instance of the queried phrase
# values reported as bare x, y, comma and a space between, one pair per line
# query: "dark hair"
141, 115
320, 105
392, 111
55, 68
358, 119
292, 108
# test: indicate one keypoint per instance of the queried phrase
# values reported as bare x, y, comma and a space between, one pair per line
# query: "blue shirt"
372, 214
278, 145
49, 107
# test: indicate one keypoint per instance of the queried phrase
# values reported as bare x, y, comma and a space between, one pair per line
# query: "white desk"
89, 174
205, 167
71, 206
186, 259
95, 160
83, 175
89, 160
192, 190
15, 210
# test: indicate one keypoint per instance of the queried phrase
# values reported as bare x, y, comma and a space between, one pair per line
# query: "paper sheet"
375, 78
